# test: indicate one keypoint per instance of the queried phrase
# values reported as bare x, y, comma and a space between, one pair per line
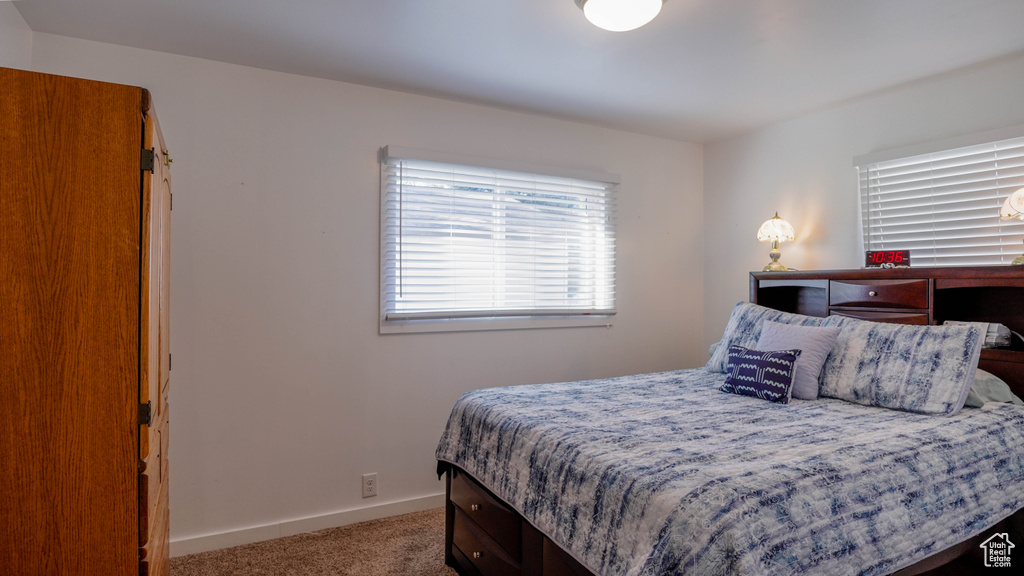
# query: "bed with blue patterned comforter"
660, 474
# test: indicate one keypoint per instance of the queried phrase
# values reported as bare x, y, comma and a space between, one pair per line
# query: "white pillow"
988, 387
815, 342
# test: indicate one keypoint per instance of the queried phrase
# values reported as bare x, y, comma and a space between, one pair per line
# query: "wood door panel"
154, 558
154, 493
153, 482
69, 263
153, 381
155, 353
149, 350
164, 184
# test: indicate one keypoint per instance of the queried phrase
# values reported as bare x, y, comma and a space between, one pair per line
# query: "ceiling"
703, 70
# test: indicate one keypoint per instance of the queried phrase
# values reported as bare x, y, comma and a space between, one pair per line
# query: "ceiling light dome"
620, 15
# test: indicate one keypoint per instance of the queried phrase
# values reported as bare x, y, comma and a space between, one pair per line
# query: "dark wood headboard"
910, 296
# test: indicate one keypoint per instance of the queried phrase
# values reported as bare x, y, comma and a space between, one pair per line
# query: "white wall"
15, 38
803, 168
283, 393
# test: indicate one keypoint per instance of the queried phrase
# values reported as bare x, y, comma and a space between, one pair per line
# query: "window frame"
504, 320
1009, 234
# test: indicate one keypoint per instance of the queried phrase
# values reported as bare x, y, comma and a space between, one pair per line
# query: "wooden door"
155, 354
69, 325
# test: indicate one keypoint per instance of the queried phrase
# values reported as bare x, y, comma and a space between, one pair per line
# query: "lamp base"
774, 265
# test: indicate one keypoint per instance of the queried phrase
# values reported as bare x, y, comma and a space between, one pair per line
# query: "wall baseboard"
216, 541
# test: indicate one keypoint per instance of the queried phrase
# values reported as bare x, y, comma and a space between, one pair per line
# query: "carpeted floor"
406, 545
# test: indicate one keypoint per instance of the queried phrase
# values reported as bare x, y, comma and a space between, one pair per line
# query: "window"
472, 246
944, 205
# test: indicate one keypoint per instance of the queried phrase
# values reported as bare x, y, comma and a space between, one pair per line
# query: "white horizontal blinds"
464, 241
944, 206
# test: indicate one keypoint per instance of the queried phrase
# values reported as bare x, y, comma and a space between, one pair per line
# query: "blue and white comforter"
660, 474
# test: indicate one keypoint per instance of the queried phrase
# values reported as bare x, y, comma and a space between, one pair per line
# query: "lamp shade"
1013, 208
620, 15
776, 230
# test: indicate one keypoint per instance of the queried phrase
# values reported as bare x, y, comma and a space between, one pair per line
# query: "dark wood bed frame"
486, 537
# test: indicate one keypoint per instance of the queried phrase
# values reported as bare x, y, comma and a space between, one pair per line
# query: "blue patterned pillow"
764, 375
925, 369
744, 329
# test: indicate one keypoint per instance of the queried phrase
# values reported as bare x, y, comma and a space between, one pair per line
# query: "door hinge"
147, 159
169, 356
145, 414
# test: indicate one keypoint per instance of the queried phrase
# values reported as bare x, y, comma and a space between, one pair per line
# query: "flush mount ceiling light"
620, 15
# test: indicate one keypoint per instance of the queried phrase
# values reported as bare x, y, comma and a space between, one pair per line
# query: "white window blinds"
461, 241
944, 206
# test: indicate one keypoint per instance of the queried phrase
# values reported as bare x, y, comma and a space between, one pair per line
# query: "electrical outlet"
369, 485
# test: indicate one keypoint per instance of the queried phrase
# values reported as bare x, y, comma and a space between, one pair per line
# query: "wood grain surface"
154, 356
69, 325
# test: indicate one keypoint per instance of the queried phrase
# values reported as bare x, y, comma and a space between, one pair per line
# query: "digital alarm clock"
887, 258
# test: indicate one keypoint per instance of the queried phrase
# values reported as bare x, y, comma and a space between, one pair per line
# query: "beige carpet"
406, 545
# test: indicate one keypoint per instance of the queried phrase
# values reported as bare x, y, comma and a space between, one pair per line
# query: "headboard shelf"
993, 294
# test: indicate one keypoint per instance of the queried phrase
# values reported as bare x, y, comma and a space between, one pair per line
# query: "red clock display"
886, 258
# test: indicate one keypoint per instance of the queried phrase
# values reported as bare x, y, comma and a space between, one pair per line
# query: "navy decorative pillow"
764, 375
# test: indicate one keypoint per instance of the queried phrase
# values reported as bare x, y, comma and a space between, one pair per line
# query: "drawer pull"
478, 555
474, 507
872, 293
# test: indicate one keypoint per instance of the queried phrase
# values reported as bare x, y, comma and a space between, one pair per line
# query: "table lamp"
1013, 209
776, 230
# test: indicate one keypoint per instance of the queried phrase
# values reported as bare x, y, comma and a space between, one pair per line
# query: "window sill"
487, 324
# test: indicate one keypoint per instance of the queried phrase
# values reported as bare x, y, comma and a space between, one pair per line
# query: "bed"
667, 473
